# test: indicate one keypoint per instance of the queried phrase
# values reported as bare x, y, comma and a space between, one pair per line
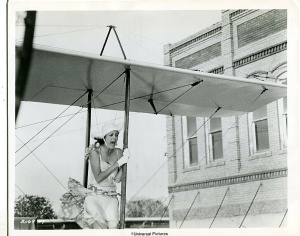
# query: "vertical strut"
112, 27
106, 40
125, 145
87, 137
24, 59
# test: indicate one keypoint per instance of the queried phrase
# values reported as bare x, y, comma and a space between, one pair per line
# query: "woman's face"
111, 139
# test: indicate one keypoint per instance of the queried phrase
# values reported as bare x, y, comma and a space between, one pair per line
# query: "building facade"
231, 171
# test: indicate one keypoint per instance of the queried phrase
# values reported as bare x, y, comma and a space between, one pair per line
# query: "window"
282, 108
259, 130
215, 139
191, 147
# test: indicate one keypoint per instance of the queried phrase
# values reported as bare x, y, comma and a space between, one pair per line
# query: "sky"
143, 35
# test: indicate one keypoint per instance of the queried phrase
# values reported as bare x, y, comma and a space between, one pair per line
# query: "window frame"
253, 135
283, 117
210, 149
186, 140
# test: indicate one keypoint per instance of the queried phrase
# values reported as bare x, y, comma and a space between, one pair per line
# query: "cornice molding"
198, 38
237, 179
260, 55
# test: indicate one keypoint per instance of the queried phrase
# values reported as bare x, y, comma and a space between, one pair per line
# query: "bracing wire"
179, 96
156, 210
51, 122
166, 208
189, 209
55, 179
25, 195
283, 218
47, 138
215, 143
110, 120
142, 36
250, 205
218, 208
43, 164
66, 32
172, 156
156, 56
108, 105
43, 121
69, 119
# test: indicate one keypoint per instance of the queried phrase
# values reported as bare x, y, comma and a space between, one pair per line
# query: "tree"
146, 208
34, 206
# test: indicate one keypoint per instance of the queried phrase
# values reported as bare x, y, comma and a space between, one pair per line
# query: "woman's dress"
94, 207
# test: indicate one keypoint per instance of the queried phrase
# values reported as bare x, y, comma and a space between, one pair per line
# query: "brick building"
233, 171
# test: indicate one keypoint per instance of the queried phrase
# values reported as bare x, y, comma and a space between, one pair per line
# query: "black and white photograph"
152, 119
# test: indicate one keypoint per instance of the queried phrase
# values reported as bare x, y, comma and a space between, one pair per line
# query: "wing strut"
125, 145
112, 27
87, 137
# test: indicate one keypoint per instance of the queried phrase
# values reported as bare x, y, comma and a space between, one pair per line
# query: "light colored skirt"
90, 207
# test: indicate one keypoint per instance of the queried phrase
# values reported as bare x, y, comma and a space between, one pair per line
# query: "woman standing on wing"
98, 206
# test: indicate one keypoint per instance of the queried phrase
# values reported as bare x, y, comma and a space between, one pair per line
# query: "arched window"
280, 73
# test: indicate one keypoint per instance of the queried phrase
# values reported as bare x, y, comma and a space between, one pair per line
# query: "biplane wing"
60, 77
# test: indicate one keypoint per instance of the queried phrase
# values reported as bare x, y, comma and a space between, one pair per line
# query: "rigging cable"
108, 105
171, 157
66, 32
210, 148
189, 209
70, 118
33, 204
166, 208
250, 205
283, 218
51, 121
219, 208
193, 85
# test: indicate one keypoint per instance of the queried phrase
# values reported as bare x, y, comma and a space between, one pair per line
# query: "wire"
189, 209
219, 208
143, 96
155, 41
156, 56
33, 204
283, 218
178, 97
250, 205
69, 119
166, 208
42, 121
47, 138
51, 122
172, 156
213, 146
67, 32
43, 165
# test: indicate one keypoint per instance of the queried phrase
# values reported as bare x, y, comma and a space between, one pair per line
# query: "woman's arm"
95, 164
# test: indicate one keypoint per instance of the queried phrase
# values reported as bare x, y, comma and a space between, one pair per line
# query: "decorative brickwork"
203, 36
260, 55
261, 26
219, 70
236, 13
199, 57
241, 170
230, 180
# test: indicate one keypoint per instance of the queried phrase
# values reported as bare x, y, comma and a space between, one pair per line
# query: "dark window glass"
193, 151
217, 145
262, 137
191, 126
